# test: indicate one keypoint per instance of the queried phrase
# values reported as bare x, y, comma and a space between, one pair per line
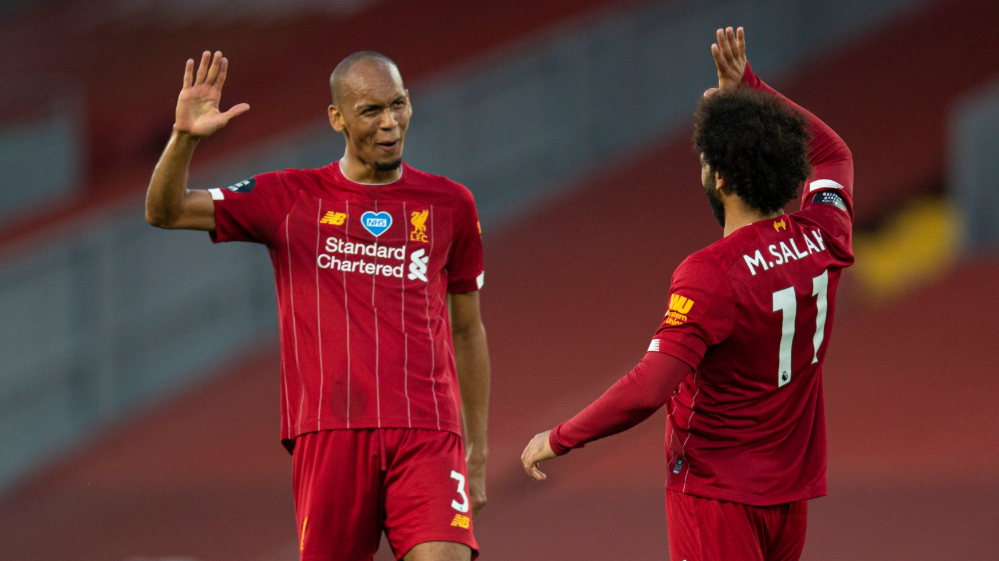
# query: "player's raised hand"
730, 57
198, 112
537, 451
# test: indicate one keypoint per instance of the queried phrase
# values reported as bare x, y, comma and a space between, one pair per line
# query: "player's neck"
739, 214
360, 172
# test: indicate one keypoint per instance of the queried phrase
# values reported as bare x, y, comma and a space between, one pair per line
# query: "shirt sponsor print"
349, 257
679, 307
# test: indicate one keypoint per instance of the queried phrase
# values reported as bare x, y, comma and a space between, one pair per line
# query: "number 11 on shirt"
785, 302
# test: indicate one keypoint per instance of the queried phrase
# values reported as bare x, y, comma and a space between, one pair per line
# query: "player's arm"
631, 400
169, 203
471, 358
831, 159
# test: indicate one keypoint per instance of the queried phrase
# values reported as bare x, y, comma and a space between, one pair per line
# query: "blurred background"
139, 375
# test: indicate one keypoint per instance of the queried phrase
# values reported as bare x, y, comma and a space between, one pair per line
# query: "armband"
830, 198
244, 186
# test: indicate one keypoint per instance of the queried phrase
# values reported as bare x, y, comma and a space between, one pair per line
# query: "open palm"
198, 105
730, 57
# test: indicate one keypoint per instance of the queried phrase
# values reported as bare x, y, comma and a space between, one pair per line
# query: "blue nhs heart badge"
376, 222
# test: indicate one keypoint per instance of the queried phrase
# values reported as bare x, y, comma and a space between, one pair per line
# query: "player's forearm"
471, 357
827, 150
168, 187
631, 400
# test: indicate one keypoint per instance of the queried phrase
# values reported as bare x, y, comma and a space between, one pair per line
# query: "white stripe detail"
672, 432
430, 332
346, 312
378, 389
405, 336
294, 324
683, 447
284, 371
480, 280
450, 348
217, 194
653, 346
319, 327
823, 184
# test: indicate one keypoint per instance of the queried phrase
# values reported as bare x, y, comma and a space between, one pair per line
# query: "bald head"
359, 67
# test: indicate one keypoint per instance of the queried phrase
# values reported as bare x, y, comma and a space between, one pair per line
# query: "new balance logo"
418, 265
334, 218
679, 304
460, 521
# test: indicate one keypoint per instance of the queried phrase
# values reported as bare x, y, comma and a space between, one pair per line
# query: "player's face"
375, 116
711, 190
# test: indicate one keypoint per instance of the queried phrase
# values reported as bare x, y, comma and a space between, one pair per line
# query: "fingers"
213, 71
741, 42
729, 49
477, 504
719, 59
536, 474
189, 73
206, 58
222, 72
233, 112
530, 458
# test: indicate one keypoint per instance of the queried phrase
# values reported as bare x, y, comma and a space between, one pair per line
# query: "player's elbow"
466, 331
158, 218
844, 153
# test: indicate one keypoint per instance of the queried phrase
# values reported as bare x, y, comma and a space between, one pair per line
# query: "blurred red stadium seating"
574, 293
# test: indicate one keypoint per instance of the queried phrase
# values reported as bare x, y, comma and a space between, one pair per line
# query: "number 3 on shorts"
461, 507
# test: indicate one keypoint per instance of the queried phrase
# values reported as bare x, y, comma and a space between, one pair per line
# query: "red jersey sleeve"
701, 311
828, 193
631, 400
251, 210
465, 270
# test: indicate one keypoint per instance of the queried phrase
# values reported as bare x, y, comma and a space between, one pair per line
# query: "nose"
389, 120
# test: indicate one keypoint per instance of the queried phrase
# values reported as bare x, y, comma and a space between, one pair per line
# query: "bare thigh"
439, 551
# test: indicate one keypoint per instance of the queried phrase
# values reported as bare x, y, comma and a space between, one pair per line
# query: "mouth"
388, 146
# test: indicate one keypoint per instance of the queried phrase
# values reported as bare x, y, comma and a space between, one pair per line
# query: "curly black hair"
757, 142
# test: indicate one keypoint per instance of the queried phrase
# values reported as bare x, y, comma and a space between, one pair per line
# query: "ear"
409, 105
721, 184
336, 118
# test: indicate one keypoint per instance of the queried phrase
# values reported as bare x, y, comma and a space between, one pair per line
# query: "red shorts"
711, 530
351, 484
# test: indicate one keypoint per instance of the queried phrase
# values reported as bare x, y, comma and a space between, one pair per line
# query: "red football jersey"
362, 273
752, 314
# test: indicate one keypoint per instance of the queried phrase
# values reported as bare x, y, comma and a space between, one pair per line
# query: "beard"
388, 166
714, 199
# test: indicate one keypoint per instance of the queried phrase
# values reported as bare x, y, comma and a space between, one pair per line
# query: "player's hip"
365, 404
352, 484
706, 529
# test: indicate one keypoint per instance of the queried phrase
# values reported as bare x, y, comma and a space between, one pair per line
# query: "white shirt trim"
823, 184
340, 164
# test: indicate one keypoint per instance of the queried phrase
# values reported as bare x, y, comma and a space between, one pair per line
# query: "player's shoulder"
445, 187
291, 180
724, 253
296, 176
706, 267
